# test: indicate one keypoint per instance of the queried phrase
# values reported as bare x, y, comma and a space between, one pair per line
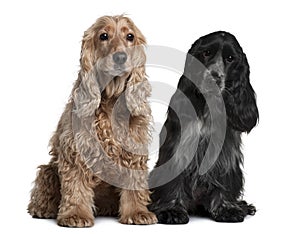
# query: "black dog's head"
222, 55
227, 65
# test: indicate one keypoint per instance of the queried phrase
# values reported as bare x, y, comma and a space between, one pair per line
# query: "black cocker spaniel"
200, 142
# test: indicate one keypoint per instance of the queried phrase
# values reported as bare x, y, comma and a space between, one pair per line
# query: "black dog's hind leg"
248, 208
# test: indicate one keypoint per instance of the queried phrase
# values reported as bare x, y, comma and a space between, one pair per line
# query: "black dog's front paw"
231, 214
173, 216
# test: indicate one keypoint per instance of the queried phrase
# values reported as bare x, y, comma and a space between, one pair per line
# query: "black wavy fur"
218, 192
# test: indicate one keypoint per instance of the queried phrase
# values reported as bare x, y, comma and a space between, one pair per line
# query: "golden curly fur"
99, 150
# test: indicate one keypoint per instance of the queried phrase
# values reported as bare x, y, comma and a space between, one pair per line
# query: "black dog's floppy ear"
242, 112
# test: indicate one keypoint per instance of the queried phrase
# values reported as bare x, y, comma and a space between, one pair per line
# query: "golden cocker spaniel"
99, 150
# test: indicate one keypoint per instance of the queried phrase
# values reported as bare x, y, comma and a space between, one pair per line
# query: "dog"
202, 140
102, 135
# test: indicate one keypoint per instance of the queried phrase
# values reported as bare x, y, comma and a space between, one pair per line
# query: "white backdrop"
39, 60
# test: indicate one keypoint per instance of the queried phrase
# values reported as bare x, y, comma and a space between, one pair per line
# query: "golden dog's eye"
230, 58
130, 37
103, 37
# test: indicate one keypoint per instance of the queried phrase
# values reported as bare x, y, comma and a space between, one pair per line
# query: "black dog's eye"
206, 53
103, 37
230, 58
130, 37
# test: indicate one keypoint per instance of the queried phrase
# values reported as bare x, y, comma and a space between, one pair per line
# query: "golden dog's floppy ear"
140, 39
137, 93
87, 58
86, 92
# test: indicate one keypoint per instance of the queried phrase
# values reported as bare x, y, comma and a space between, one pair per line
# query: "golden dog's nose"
119, 58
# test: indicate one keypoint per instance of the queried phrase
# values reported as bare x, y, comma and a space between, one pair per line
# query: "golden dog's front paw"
141, 217
75, 221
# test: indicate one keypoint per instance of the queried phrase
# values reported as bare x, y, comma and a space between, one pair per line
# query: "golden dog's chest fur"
106, 196
128, 136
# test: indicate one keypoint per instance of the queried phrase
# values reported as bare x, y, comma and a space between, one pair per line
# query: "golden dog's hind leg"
76, 206
45, 196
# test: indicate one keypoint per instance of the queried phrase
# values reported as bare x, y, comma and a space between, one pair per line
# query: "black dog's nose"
215, 75
119, 58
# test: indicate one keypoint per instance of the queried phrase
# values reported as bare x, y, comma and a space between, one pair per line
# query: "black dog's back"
198, 170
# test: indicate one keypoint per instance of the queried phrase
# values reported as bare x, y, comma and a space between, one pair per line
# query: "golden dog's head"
113, 44
112, 59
